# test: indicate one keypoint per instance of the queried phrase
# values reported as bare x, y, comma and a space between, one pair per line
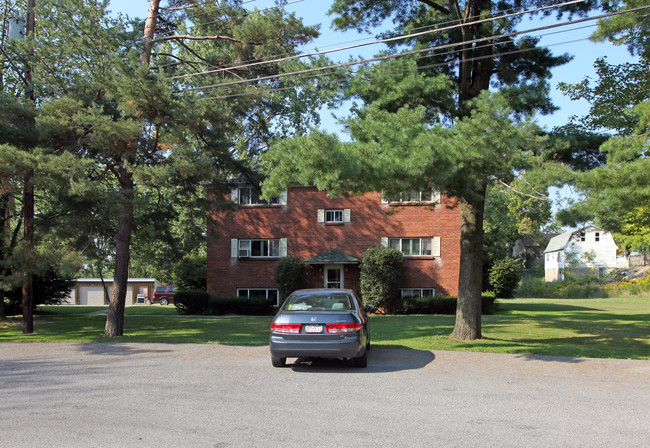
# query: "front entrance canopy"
333, 256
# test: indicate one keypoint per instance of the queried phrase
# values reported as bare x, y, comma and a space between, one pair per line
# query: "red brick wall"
297, 221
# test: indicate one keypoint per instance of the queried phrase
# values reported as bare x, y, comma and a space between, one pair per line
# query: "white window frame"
243, 248
434, 244
408, 292
333, 216
246, 199
267, 291
322, 217
413, 197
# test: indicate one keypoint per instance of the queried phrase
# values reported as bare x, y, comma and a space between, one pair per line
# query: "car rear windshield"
319, 302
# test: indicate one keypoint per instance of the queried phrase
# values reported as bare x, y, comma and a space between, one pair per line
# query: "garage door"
92, 295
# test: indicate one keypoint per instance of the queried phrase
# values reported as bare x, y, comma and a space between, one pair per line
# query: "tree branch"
435, 6
190, 37
539, 198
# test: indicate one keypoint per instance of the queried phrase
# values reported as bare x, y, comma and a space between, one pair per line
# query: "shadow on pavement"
379, 361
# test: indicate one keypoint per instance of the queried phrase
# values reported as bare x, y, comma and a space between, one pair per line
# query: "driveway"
185, 395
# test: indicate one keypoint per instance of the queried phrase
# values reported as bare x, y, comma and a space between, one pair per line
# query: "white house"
581, 250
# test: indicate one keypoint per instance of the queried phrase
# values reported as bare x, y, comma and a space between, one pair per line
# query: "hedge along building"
331, 236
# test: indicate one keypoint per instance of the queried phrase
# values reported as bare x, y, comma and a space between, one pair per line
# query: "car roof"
322, 291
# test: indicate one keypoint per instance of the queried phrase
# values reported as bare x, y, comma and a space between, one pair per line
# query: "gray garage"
92, 291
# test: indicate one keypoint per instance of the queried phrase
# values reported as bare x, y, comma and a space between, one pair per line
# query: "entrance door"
334, 277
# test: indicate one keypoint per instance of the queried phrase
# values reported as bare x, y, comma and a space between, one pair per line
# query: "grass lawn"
616, 327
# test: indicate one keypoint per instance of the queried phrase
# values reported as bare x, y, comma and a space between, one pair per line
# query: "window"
597, 236
333, 216
582, 236
412, 246
413, 196
259, 248
251, 196
417, 292
264, 293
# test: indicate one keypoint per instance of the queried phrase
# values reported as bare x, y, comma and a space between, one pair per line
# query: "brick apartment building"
331, 235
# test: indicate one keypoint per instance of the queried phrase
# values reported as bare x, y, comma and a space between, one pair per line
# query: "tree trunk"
115, 319
468, 310
28, 235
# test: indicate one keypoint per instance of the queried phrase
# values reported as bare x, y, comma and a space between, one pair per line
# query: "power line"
450, 52
373, 75
365, 39
389, 33
392, 56
380, 41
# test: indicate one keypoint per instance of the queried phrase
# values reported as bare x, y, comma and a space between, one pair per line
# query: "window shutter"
435, 246
283, 198
435, 196
283, 247
384, 241
234, 195
234, 248
346, 215
384, 198
321, 215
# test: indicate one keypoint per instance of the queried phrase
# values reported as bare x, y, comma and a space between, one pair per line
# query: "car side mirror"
370, 308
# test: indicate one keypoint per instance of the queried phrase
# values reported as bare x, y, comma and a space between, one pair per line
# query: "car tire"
278, 362
164, 301
361, 361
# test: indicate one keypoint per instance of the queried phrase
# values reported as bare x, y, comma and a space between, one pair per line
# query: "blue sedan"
322, 323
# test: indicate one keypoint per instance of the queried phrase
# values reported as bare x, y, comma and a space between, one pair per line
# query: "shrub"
504, 277
381, 275
253, 306
48, 289
191, 273
289, 274
429, 305
192, 301
578, 288
441, 304
633, 287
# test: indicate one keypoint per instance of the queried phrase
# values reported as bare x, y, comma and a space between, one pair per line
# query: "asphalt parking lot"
185, 395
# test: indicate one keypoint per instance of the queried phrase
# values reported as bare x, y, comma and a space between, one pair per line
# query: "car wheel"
361, 361
164, 301
278, 362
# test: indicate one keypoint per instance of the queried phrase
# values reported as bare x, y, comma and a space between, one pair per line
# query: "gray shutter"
234, 195
346, 215
234, 248
283, 198
435, 247
384, 241
283, 247
321, 215
435, 196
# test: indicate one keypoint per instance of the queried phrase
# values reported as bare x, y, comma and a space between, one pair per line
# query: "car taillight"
343, 328
286, 328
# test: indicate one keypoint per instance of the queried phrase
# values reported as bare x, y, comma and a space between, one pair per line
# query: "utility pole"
28, 197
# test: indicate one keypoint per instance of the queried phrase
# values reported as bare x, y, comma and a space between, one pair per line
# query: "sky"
574, 42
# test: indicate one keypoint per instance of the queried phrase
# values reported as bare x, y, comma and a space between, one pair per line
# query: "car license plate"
313, 328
